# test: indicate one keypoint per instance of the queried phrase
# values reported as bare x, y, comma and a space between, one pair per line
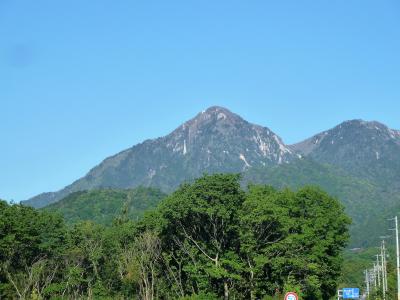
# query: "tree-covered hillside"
103, 206
368, 204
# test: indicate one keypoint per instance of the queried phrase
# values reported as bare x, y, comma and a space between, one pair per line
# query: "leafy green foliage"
277, 224
221, 240
209, 239
201, 220
29, 240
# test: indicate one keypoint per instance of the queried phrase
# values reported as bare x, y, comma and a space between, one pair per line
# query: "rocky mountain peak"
214, 141
217, 109
367, 129
362, 124
363, 148
213, 115
218, 133
214, 121
355, 132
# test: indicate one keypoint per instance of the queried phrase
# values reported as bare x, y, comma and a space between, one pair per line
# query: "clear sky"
82, 80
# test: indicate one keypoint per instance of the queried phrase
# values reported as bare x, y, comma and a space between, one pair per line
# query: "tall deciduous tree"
200, 230
292, 240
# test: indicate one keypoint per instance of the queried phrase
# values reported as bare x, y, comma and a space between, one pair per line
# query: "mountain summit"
217, 135
367, 150
216, 140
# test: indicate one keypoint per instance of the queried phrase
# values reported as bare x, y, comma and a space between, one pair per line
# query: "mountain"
356, 161
216, 140
104, 206
367, 150
370, 153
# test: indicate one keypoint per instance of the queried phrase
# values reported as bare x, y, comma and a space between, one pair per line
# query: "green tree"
292, 240
30, 244
199, 232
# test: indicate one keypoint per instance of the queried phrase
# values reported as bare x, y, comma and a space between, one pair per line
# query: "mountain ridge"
218, 140
357, 161
215, 140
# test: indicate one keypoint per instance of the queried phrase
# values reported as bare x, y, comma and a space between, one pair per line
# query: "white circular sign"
291, 296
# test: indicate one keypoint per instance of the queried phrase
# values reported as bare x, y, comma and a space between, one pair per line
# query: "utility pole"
396, 229
367, 282
379, 270
383, 270
397, 257
384, 264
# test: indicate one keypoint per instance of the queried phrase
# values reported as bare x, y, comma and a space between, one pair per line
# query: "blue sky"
82, 80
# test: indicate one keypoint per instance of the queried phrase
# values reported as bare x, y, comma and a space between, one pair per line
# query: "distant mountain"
367, 150
356, 161
104, 206
216, 140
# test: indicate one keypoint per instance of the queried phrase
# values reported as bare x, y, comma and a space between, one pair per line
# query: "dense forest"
210, 239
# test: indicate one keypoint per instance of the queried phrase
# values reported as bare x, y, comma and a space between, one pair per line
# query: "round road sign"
291, 296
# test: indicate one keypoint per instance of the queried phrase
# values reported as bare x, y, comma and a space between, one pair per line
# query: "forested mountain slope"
104, 206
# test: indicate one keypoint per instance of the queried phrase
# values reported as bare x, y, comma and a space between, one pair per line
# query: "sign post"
339, 294
351, 293
291, 296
